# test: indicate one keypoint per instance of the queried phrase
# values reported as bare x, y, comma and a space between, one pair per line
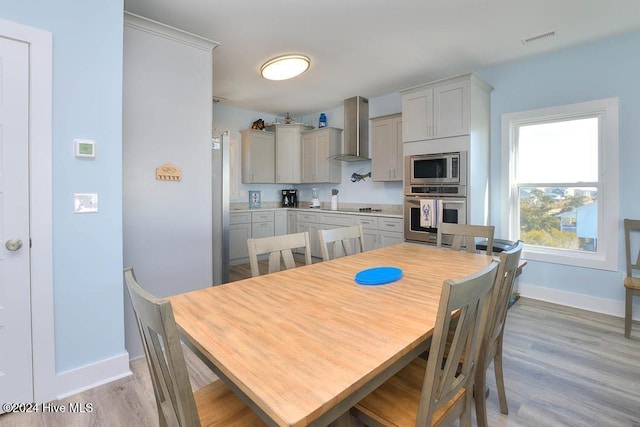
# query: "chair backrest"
631, 228
163, 351
444, 378
277, 247
505, 279
464, 235
337, 242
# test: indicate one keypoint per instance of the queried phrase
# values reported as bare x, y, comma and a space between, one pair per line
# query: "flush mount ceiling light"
285, 67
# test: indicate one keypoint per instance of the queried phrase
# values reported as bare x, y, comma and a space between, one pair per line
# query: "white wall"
167, 225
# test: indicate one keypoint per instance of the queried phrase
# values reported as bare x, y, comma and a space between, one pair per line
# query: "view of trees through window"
557, 183
559, 217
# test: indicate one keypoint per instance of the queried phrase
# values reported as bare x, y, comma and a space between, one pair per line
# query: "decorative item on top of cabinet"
258, 156
442, 109
386, 148
317, 148
288, 152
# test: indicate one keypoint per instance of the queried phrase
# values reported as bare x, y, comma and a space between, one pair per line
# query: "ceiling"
375, 47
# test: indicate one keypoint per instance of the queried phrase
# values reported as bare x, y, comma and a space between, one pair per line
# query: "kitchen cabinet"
381, 231
441, 109
309, 221
262, 224
335, 220
288, 152
280, 222
292, 223
243, 225
317, 148
258, 156
467, 99
386, 148
239, 232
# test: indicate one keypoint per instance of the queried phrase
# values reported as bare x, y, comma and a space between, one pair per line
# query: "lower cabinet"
292, 222
262, 224
280, 222
239, 232
380, 231
309, 221
243, 225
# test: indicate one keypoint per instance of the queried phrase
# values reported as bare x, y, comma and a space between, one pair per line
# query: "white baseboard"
86, 377
569, 299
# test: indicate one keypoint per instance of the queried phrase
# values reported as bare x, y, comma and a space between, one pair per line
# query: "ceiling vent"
538, 37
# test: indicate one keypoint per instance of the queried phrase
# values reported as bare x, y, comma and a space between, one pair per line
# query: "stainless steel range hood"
356, 130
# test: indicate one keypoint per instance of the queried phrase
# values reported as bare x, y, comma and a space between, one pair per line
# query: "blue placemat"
378, 276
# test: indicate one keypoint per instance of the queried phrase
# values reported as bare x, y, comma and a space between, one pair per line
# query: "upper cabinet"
441, 109
289, 152
258, 156
317, 148
386, 148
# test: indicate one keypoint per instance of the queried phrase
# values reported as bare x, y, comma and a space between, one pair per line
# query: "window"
560, 178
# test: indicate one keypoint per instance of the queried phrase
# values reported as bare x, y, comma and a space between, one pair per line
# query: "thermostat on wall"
84, 148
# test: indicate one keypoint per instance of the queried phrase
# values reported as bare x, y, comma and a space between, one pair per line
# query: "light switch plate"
84, 148
85, 203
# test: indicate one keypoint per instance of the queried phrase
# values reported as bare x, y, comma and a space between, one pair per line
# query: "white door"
16, 384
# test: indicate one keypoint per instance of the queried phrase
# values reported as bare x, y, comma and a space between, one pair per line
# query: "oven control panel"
441, 190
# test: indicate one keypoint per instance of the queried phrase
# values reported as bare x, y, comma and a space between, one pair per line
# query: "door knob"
14, 244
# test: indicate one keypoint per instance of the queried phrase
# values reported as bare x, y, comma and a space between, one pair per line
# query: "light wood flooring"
563, 367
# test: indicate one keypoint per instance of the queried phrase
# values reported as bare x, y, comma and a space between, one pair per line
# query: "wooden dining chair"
279, 248
464, 236
491, 348
438, 391
337, 242
212, 405
631, 283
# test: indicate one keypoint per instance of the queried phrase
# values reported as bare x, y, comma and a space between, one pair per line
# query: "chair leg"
627, 312
497, 367
480, 397
465, 417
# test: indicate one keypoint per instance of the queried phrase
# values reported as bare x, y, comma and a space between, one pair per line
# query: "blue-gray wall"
608, 68
87, 103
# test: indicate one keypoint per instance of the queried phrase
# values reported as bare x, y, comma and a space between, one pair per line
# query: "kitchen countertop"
351, 211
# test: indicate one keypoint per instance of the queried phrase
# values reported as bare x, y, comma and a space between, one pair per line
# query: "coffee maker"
290, 198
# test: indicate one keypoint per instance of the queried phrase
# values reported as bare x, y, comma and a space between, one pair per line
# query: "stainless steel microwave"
436, 169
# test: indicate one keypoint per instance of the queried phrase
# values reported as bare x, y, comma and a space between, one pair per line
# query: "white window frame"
606, 256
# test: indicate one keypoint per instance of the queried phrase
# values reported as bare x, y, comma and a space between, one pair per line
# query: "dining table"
302, 346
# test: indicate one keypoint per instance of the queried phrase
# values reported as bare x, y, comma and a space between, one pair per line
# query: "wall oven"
423, 213
435, 191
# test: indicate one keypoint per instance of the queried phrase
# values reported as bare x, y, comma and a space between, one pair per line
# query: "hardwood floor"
562, 367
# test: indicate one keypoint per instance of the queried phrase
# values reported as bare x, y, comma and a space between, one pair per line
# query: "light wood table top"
303, 345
